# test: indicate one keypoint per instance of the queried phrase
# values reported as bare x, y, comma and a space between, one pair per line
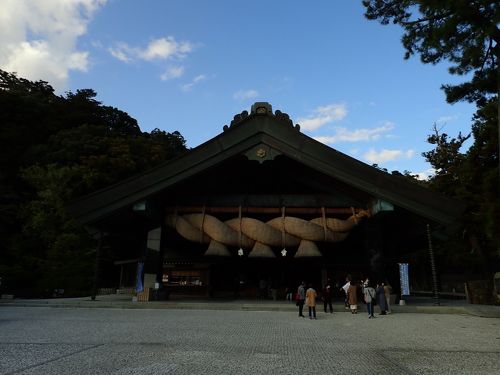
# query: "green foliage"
54, 150
409, 176
447, 161
467, 35
462, 32
472, 177
481, 172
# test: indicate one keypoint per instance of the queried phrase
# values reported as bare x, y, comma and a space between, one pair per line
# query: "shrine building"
260, 204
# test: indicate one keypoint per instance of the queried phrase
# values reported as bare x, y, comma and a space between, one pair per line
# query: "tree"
471, 177
466, 34
446, 159
63, 254
463, 32
54, 149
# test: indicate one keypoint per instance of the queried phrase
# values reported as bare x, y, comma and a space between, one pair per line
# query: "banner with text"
404, 279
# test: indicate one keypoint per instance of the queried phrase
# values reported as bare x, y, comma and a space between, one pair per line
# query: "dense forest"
54, 149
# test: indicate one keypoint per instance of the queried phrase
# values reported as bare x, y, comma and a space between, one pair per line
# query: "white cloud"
165, 48
158, 49
322, 116
424, 175
172, 72
245, 94
122, 52
366, 134
195, 81
38, 38
445, 119
377, 157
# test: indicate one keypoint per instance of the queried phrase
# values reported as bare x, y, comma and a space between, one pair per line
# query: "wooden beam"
263, 210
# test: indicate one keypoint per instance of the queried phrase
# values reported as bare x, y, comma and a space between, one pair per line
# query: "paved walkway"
59, 341
122, 301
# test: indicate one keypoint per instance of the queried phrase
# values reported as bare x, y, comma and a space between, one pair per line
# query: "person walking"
327, 296
369, 295
387, 293
311, 296
382, 302
352, 297
301, 296
345, 288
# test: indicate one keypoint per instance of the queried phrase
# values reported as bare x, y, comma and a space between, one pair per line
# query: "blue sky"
191, 65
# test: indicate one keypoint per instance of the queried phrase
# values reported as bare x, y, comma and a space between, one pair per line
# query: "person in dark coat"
381, 301
301, 297
327, 296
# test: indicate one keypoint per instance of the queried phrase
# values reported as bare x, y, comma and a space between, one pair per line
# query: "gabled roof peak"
262, 109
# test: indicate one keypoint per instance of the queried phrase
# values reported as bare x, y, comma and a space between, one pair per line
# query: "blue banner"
404, 279
139, 287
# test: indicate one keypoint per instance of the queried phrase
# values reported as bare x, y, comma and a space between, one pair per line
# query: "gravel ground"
45, 340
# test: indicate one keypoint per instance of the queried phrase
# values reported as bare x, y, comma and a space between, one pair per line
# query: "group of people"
379, 295
371, 296
308, 297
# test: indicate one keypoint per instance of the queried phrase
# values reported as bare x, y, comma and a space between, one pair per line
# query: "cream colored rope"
244, 232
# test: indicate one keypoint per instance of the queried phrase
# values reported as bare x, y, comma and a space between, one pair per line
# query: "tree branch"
427, 19
488, 53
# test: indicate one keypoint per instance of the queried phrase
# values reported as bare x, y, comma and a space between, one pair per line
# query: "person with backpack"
369, 295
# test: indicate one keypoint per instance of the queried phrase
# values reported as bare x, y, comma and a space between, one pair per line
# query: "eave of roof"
277, 132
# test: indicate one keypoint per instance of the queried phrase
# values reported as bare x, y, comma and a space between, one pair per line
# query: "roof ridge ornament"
262, 109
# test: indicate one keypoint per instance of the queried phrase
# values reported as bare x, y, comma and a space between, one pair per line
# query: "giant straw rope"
245, 232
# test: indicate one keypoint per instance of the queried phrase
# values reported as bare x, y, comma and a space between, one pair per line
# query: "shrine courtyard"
50, 340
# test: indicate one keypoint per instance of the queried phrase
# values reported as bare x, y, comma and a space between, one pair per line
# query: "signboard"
403, 279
